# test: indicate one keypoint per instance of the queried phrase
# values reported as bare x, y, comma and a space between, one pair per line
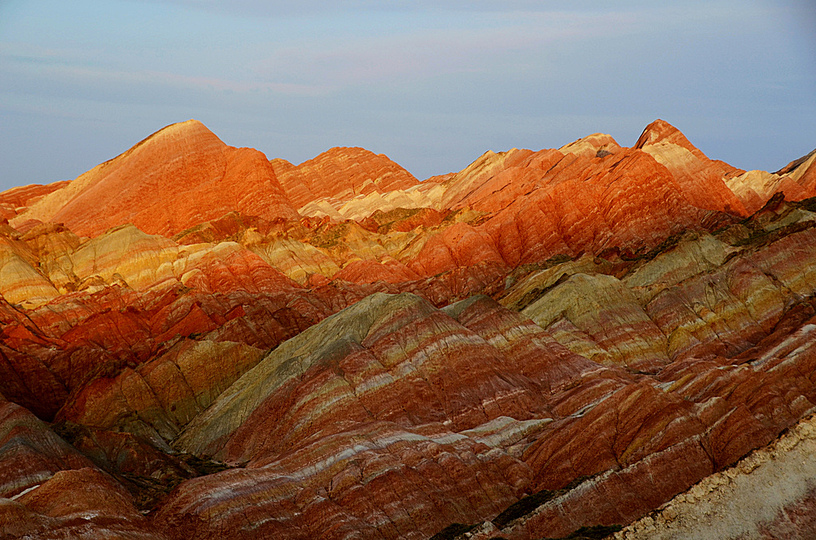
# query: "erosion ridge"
196, 339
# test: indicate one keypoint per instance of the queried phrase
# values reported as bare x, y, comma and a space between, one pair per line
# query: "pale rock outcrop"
596, 145
796, 181
769, 494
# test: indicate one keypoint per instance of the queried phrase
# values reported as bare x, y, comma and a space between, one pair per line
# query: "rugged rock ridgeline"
201, 343
341, 173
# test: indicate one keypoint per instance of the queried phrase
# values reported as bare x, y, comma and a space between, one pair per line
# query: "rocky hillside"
177, 177
198, 342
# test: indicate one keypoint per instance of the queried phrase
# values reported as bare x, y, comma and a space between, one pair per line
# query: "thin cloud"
423, 53
65, 69
286, 8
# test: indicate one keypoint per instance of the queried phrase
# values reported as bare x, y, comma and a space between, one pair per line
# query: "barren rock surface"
769, 494
178, 177
543, 342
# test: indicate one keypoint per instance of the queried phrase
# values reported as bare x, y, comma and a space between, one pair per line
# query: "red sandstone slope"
667, 339
701, 179
341, 172
20, 198
178, 177
535, 205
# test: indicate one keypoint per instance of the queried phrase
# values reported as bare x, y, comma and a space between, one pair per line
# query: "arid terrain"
199, 342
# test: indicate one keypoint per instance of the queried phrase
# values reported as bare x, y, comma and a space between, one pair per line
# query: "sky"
431, 84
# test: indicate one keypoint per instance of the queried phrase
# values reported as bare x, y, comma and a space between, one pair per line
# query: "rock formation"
546, 342
341, 173
768, 494
178, 177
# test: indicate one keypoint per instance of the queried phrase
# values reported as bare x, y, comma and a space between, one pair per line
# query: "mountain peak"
661, 131
701, 179
345, 151
189, 129
178, 138
597, 144
178, 177
191, 125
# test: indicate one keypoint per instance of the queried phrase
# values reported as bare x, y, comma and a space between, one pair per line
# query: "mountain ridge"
333, 182
542, 343
139, 185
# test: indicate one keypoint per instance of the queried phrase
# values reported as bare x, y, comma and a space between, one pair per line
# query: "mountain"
796, 181
178, 177
197, 342
702, 180
341, 173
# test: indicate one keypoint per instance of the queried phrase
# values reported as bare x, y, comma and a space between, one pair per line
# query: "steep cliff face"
544, 341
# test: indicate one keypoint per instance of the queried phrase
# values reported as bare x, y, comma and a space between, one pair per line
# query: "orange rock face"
701, 179
339, 173
544, 341
16, 199
178, 177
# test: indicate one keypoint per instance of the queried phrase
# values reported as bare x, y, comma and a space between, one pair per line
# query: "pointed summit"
661, 131
176, 178
701, 179
178, 137
188, 128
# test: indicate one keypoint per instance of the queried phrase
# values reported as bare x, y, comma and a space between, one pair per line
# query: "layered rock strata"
484, 351
178, 177
769, 494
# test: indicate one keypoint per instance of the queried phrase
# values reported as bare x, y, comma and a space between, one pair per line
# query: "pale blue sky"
432, 84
